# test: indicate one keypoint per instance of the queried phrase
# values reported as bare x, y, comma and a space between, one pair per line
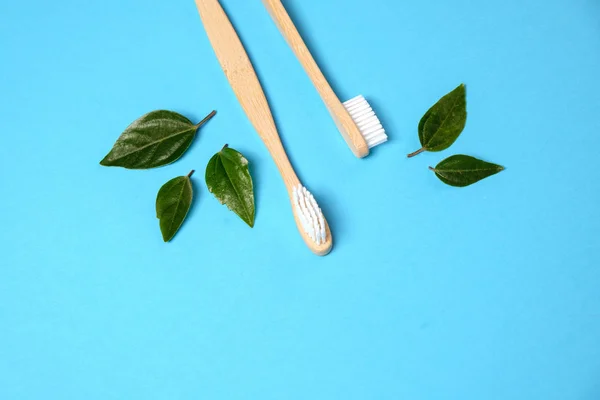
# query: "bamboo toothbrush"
239, 71
355, 118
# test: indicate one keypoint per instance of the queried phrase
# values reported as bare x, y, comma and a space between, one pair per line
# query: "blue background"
431, 292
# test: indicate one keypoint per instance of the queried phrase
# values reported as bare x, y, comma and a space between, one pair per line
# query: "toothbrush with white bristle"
239, 71
354, 118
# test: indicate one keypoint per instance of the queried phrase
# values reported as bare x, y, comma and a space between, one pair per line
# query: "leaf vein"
138, 149
179, 200
236, 191
444, 121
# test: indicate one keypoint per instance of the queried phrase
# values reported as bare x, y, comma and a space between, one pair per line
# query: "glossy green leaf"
443, 122
155, 139
228, 178
460, 170
173, 203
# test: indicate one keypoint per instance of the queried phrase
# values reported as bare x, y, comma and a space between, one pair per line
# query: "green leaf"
173, 203
153, 140
228, 178
443, 122
460, 170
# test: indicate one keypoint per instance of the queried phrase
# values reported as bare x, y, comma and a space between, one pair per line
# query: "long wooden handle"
343, 120
292, 36
239, 71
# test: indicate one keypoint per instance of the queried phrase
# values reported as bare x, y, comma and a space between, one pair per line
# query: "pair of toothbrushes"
355, 119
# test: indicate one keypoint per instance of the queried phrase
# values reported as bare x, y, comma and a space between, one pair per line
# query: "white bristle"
365, 119
310, 215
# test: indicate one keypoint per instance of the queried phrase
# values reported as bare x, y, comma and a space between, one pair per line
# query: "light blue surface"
431, 293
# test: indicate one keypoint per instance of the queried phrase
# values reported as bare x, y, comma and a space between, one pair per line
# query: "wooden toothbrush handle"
343, 120
245, 84
292, 36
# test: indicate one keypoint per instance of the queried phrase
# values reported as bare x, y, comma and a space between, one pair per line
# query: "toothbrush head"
311, 222
367, 122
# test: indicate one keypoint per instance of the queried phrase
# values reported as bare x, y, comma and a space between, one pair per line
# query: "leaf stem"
224, 147
432, 169
205, 120
191, 173
414, 153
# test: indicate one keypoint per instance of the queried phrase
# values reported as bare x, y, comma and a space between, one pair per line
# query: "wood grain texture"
342, 118
245, 84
